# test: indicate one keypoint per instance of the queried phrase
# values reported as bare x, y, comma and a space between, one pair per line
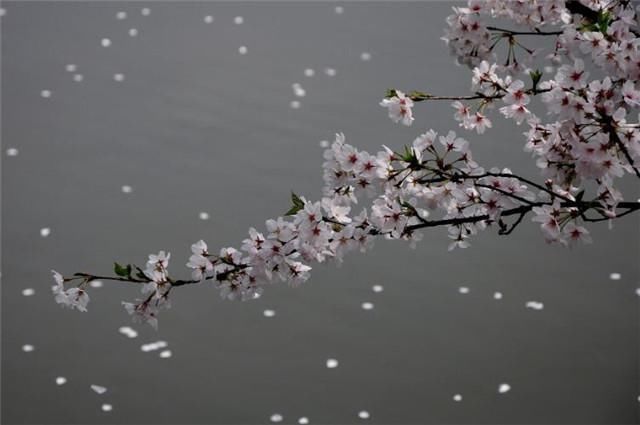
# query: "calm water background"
197, 127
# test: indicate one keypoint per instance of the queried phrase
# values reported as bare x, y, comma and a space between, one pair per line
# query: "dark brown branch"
536, 32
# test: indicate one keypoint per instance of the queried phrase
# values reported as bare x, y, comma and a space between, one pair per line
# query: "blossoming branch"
587, 141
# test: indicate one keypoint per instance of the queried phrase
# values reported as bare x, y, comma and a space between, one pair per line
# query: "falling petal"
276, 417
535, 305
98, 389
332, 363
504, 388
367, 306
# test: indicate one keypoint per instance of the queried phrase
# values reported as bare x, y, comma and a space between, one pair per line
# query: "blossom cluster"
471, 40
590, 141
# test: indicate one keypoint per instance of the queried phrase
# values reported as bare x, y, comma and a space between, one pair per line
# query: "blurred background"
130, 127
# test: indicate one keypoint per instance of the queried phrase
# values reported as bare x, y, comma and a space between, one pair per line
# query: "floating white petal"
243, 50
118, 77
332, 363
535, 305
615, 276
276, 417
203, 215
154, 346
457, 397
133, 32
309, 72
324, 144
78, 78
463, 290
105, 42
145, 11
294, 104
12, 152
165, 354
377, 288
339, 10
504, 388
107, 407
367, 306
27, 292
128, 332
365, 56
98, 389
298, 90
126, 189
61, 380
269, 313
45, 93
121, 15
497, 295
303, 420
27, 348
96, 284
208, 19
363, 414
238, 20
331, 72
71, 67
45, 231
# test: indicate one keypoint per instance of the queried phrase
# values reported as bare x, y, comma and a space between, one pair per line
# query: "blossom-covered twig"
582, 146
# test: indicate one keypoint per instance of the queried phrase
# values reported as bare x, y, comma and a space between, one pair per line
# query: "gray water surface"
194, 127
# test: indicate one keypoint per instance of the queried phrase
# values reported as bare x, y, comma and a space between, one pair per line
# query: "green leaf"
535, 78
390, 93
298, 204
122, 270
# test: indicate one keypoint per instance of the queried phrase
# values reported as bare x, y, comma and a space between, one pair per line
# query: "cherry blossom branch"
579, 150
536, 32
523, 209
616, 139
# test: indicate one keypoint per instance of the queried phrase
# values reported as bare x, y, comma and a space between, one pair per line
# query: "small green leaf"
535, 78
122, 270
390, 93
298, 204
